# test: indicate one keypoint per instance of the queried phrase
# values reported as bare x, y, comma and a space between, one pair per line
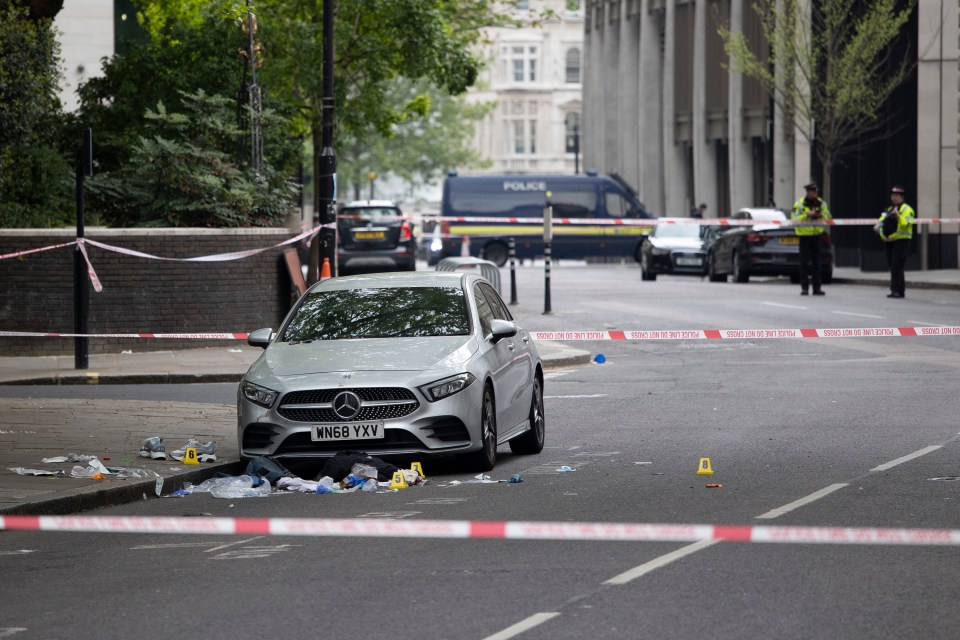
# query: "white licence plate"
332, 431
689, 262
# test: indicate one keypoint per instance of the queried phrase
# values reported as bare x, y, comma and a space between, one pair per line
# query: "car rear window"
370, 213
407, 312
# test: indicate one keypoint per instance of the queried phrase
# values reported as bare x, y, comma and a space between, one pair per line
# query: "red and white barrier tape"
652, 222
588, 336
745, 334
500, 530
177, 336
17, 254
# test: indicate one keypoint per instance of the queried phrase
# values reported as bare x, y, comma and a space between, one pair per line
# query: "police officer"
895, 228
809, 208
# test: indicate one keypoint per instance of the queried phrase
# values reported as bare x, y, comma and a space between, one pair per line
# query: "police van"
601, 198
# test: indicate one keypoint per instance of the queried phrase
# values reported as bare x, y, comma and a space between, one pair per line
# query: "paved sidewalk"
935, 279
112, 430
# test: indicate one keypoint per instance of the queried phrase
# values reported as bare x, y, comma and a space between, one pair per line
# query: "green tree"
419, 149
833, 67
34, 177
181, 176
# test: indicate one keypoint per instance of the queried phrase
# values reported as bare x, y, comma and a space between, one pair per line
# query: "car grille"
258, 436
375, 404
393, 439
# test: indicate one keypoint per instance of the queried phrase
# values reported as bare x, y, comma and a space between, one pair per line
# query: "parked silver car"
394, 363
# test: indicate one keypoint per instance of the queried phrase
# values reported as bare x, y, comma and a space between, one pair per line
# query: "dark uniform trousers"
810, 261
897, 251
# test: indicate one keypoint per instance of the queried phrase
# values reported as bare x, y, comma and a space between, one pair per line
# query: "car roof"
398, 279
763, 213
362, 204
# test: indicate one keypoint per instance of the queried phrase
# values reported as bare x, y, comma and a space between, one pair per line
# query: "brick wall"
141, 295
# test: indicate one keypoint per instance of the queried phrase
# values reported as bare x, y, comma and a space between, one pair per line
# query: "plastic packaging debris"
565, 469
234, 487
96, 464
83, 472
515, 479
22, 471
364, 471
325, 485
124, 473
599, 358
351, 481
73, 457
370, 486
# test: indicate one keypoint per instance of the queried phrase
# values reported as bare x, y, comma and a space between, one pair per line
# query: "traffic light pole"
81, 285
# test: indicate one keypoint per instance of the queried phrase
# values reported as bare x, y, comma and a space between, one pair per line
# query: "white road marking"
11, 631
232, 544
662, 561
174, 545
524, 625
390, 515
784, 306
592, 395
440, 501
929, 324
18, 552
550, 375
907, 458
796, 504
858, 315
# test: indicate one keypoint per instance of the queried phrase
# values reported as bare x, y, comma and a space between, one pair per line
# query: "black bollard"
512, 248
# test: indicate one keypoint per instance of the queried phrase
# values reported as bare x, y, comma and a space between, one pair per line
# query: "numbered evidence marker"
398, 481
190, 456
416, 466
704, 469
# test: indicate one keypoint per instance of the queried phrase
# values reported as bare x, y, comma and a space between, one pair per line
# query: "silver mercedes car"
394, 364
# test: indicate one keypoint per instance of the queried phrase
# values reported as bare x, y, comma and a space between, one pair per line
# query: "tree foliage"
419, 148
34, 176
180, 174
833, 68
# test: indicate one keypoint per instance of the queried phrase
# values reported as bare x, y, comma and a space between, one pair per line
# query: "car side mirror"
501, 329
260, 338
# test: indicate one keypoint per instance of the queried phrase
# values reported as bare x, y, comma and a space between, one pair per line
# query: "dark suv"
373, 236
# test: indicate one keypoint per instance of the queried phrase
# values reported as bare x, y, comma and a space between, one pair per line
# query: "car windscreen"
403, 312
677, 231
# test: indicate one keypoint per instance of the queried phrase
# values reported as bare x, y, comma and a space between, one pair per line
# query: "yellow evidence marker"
190, 456
704, 469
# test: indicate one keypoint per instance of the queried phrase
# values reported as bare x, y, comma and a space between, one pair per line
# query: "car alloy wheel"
486, 458
712, 269
531, 442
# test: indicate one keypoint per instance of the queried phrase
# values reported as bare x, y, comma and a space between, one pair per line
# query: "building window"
519, 63
520, 127
572, 125
573, 65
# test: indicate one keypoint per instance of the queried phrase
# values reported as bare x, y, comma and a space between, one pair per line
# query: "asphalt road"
799, 432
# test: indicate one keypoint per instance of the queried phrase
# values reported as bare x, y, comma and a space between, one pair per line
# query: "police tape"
648, 222
745, 334
474, 529
588, 335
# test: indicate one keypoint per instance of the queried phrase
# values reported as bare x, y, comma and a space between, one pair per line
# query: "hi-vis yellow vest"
802, 212
905, 225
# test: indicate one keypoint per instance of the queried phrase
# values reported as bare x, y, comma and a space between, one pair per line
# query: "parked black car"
762, 249
373, 236
676, 247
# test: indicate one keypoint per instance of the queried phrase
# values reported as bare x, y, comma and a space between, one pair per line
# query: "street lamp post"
325, 244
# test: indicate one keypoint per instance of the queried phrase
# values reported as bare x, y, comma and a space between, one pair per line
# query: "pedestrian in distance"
895, 228
699, 212
810, 208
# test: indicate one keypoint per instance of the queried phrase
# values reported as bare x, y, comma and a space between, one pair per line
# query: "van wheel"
496, 252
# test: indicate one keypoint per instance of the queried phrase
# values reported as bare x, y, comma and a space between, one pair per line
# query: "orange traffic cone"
325, 269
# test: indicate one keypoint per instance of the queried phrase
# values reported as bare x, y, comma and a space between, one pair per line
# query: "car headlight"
258, 395
447, 387
436, 244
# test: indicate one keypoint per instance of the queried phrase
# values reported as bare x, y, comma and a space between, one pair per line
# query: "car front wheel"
486, 458
531, 442
712, 270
